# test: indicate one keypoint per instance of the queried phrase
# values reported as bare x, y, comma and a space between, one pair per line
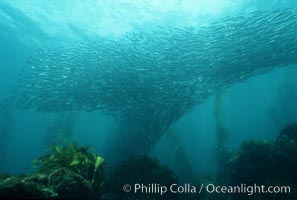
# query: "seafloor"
76, 172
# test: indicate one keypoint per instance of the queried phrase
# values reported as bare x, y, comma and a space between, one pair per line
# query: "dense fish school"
147, 81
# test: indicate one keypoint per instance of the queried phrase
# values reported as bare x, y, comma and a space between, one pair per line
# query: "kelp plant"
7, 120
81, 161
283, 110
221, 153
184, 164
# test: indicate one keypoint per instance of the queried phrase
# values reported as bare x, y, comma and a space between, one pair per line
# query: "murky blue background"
254, 109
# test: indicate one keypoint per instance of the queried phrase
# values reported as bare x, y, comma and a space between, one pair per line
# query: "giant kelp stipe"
152, 100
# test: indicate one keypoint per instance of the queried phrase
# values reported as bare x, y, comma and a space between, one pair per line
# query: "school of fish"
148, 80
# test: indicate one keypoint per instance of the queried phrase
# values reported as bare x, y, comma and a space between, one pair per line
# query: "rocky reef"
269, 163
143, 170
74, 172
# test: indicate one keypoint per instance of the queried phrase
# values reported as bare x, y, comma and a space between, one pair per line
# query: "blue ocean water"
38, 34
